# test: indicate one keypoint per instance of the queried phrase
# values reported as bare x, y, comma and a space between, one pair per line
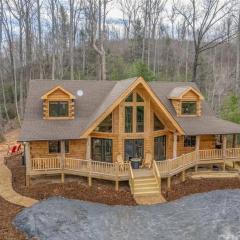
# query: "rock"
213, 215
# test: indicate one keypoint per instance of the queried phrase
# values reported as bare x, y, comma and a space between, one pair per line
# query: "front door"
160, 148
134, 148
102, 149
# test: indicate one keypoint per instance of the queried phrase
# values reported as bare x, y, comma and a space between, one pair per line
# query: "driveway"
213, 215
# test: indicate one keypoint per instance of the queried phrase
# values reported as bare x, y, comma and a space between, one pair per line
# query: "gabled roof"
179, 92
98, 98
45, 96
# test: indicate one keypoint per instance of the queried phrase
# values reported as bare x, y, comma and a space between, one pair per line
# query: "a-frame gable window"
105, 125
134, 113
157, 124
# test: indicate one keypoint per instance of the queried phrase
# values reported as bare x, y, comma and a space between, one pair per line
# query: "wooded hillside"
192, 40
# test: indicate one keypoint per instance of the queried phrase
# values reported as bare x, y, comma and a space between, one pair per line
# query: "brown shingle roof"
97, 97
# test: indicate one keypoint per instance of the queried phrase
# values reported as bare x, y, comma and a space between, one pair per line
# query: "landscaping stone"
213, 215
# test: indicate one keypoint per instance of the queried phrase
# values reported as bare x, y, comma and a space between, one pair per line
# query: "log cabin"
98, 129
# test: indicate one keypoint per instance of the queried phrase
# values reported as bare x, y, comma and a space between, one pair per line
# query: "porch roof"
97, 97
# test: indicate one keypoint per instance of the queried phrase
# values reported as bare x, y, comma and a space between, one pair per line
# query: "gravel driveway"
213, 215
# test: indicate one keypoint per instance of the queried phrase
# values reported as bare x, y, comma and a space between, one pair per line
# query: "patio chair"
147, 161
120, 161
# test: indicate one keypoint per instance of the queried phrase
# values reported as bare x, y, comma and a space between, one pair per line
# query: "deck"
122, 172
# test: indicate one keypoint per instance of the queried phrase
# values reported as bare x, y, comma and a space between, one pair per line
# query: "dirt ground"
77, 188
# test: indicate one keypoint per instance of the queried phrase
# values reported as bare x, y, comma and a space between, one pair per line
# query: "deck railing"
115, 170
50, 163
175, 164
80, 165
156, 174
210, 154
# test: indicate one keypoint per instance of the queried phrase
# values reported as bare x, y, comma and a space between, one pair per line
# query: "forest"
161, 40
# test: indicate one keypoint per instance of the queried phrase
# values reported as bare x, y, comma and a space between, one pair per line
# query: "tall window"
134, 113
189, 141
157, 124
189, 108
128, 119
140, 119
58, 109
105, 125
55, 146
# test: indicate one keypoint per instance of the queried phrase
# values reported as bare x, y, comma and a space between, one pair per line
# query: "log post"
183, 176
174, 145
28, 163
88, 150
62, 146
169, 182
224, 138
89, 175
117, 176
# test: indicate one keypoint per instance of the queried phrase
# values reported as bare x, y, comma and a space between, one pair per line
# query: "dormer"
187, 101
58, 103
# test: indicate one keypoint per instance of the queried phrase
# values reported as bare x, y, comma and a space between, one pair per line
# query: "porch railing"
80, 165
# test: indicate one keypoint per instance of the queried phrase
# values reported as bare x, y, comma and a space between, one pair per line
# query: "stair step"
149, 193
144, 179
141, 184
143, 189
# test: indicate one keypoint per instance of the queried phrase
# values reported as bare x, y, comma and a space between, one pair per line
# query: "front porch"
123, 172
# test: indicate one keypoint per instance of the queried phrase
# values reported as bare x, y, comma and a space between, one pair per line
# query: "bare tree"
203, 17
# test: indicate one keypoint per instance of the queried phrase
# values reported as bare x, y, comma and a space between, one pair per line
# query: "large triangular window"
157, 125
105, 125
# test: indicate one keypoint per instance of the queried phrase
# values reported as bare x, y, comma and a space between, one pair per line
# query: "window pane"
139, 98
189, 108
128, 119
105, 125
58, 109
158, 125
140, 119
66, 146
129, 98
189, 141
54, 147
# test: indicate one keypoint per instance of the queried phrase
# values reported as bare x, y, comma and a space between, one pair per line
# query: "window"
189, 108
55, 146
189, 141
105, 125
157, 125
139, 98
129, 98
140, 119
58, 109
128, 119
102, 149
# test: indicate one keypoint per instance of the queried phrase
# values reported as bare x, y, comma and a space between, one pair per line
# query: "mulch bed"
191, 186
7, 212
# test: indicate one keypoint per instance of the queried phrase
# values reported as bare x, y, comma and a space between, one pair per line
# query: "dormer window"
58, 104
189, 108
58, 109
186, 100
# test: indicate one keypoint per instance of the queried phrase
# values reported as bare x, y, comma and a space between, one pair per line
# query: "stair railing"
157, 174
131, 179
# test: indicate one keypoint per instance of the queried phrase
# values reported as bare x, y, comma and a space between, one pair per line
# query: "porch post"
197, 147
174, 145
28, 163
88, 150
62, 159
224, 138
234, 141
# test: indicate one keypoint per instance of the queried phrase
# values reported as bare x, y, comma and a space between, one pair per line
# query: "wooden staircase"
145, 186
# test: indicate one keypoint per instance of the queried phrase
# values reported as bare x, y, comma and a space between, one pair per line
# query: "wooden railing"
131, 178
210, 154
175, 164
157, 174
232, 153
52, 163
80, 165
